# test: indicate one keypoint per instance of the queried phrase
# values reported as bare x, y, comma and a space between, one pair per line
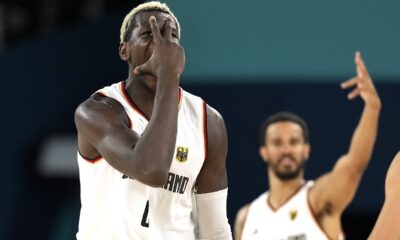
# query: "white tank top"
115, 206
294, 220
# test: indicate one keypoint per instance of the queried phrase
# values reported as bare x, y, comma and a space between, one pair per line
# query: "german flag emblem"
182, 154
293, 215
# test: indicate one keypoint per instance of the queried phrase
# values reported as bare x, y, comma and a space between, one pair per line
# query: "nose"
287, 149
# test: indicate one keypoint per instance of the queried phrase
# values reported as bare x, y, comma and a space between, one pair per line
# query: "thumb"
142, 69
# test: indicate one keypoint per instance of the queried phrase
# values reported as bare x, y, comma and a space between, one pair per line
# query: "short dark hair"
284, 117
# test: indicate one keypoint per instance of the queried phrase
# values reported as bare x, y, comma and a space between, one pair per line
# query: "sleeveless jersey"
294, 220
115, 206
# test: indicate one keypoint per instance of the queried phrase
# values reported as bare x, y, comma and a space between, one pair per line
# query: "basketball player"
151, 155
387, 225
294, 208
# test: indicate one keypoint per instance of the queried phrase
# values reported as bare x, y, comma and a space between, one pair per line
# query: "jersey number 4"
145, 220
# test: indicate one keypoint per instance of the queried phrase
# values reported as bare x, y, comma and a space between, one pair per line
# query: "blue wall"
230, 38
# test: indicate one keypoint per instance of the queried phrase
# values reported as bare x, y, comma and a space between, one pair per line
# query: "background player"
297, 209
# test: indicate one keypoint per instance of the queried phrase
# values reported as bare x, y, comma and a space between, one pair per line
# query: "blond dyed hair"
128, 23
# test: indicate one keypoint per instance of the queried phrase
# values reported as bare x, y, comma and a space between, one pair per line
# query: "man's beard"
286, 175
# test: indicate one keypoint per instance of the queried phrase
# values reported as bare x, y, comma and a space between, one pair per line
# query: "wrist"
374, 105
168, 79
168, 72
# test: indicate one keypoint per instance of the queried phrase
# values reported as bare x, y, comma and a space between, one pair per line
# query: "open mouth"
286, 161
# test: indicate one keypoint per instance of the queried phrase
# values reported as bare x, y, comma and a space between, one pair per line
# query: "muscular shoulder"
392, 182
213, 176
215, 122
99, 111
216, 130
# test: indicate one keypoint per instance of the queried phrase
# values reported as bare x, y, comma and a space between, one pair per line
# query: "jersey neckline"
136, 107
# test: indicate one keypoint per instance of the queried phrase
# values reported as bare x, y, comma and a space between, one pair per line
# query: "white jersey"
294, 220
115, 206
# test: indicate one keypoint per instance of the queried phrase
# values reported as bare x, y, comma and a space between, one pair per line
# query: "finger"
353, 94
168, 28
142, 69
361, 68
155, 29
349, 83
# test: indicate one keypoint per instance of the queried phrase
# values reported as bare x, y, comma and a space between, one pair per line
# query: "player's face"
140, 46
285, 150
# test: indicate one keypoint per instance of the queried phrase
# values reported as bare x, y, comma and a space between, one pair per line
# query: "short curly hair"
129, 20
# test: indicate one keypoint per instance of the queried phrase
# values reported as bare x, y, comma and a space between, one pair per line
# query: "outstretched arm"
387, 225
335, 190
212, 182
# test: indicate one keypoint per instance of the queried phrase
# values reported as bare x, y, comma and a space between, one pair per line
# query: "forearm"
156, 145
364, 137
162, 128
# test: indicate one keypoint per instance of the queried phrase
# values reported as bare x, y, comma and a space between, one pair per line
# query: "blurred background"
248, 59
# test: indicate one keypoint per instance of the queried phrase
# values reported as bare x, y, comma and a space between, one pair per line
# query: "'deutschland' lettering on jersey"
176, 183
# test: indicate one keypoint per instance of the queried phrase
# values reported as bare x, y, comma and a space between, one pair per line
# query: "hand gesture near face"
363, 84
168, 56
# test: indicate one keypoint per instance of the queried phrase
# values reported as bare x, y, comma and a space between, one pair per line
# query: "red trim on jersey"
314, 216
91, 160
290, 197
205, 129
180, 98
130, 121
130, 101
135, 107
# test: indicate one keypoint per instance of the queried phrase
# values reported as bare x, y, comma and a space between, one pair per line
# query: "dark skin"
156, 61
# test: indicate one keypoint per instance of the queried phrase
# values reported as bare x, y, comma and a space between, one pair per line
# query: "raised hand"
168, 56
363, 84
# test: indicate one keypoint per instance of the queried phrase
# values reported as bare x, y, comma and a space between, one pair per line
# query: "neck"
140, 94
281, 191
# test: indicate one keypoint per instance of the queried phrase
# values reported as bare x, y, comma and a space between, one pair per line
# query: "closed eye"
277, 142
296, 142
147, 33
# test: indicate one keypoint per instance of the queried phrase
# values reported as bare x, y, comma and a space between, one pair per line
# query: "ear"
263, 153
307, 150
124, 51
